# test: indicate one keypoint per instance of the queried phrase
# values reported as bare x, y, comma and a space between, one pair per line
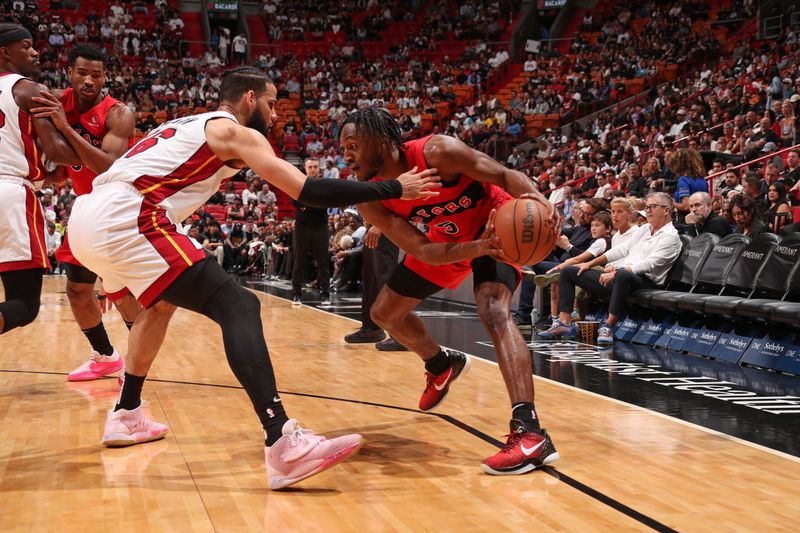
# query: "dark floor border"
570, 481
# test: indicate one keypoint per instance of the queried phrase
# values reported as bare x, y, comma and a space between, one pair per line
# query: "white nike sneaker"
125, 428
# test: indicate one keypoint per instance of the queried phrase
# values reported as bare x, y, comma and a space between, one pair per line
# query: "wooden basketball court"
622, 467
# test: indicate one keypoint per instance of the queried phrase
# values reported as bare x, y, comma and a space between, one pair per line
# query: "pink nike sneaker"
126, 428
96, 367
299, 454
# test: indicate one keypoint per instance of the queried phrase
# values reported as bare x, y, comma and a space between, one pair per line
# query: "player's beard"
373, 167
256, 121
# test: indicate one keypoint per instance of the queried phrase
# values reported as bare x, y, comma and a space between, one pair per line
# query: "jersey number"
149, 142
448, 227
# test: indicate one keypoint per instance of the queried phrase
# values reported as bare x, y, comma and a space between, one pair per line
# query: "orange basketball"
526, 235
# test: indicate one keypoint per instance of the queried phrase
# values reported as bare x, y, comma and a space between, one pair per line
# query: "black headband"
17, 34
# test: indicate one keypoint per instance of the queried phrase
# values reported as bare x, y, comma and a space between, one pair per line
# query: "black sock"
272, 420
130, 397
525, 412
98, 338
438, 363
128, 325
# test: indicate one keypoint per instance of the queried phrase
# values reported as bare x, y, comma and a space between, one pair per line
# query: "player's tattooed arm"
239, 146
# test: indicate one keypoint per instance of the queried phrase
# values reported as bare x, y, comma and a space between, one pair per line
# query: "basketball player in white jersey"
100, 129
125, 231
23, 138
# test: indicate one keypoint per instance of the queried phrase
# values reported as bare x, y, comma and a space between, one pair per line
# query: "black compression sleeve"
333, 193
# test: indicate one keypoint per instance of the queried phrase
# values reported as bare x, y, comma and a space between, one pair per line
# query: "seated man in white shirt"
642, 262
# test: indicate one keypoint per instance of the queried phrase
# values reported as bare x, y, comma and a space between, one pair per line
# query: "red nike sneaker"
437, 385
523, 452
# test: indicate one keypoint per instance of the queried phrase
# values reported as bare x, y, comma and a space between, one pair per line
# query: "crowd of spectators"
737, 110
744, 109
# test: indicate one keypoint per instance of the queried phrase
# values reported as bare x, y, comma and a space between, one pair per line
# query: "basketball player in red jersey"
125, 231
23, 138
473, 184
100, 129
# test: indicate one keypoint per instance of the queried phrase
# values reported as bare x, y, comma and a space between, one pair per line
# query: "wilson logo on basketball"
528, 222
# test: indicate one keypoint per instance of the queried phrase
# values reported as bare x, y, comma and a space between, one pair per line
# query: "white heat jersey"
20, 157
173, 167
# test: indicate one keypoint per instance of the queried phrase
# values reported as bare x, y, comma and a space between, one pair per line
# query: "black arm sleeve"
333, 193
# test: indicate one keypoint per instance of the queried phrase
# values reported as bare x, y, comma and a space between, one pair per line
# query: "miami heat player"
100, 129
125, 230
473, 184
23, 138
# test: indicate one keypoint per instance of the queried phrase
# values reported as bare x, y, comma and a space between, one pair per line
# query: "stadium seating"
739, 280
735, 278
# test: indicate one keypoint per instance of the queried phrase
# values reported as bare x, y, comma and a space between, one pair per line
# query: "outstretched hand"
420, 184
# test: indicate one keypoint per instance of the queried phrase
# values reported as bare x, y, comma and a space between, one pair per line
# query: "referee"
311, 231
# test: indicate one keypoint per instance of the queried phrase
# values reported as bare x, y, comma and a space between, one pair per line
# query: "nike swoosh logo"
444, 383
529, 451
276, 399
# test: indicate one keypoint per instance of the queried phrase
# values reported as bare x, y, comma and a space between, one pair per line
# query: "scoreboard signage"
551, 4
223, 6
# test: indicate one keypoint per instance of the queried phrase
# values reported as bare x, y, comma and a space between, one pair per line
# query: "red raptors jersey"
92, 127
458, 213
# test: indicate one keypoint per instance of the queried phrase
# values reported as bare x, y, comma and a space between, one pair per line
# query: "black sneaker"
296, 301
325, 299
390, 344
544, 324
522, 322
363, 336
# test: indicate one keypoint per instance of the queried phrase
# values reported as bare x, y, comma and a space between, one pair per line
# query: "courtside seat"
711, 281
785, 313
788, 310
684, 273
779, 279
741, 281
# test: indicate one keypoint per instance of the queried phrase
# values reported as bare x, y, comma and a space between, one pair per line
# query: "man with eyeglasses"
702, 219
641, 263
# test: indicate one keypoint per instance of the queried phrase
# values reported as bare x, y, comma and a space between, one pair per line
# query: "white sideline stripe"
619, 402
327, 312
661, 415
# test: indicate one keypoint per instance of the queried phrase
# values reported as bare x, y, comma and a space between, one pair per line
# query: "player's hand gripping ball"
527, 230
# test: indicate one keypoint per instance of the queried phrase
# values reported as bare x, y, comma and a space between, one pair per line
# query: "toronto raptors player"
473, 185
125, 231
100, 129
23, 138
